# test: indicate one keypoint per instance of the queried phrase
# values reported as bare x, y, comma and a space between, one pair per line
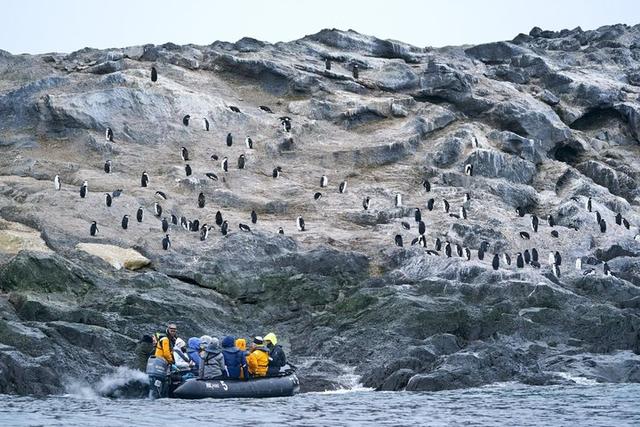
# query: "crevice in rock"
597, 118
431, 99
185, 279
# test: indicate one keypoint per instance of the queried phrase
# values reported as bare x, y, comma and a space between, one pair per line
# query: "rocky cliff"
538, 126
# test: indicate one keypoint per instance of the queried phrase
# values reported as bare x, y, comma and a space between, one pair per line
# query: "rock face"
542, 123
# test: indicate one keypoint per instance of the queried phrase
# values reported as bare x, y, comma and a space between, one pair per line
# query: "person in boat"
164, 347
258, 358
182, 360
212, 364
144, 348
193, 351
277, 357
241, 344
234, 359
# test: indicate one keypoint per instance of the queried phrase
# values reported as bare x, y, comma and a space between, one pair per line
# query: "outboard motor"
158, 371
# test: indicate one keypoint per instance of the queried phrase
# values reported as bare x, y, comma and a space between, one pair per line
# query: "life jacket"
258, 361
162, 352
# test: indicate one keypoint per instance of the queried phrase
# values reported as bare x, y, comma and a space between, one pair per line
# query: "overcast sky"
34, 26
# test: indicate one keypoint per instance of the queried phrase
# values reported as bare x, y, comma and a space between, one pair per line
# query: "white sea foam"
576, 379
108, 385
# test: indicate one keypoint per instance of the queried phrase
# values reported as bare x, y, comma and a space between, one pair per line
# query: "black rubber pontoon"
286, 385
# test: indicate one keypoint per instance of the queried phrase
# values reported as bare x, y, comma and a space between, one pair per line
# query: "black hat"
146, 338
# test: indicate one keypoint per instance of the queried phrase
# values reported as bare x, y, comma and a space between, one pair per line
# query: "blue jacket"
235, 361
193, 350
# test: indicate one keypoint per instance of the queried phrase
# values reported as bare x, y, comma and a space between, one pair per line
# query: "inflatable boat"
280, 386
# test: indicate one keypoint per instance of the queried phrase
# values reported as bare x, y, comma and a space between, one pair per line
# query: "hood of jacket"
193, 344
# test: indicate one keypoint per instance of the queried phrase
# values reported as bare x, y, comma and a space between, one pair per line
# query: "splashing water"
122, 382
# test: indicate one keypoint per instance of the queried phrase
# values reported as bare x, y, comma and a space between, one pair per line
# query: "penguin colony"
527, 257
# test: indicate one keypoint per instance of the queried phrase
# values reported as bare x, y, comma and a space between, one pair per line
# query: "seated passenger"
193, 350
205, 340
258, 358
212, 364
241, 344
277, 358
234, 359
180, 357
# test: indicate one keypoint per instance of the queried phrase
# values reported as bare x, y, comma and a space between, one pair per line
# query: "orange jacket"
164, 349
258, 361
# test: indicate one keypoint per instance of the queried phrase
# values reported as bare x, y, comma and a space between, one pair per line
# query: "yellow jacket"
258, 361
164, 349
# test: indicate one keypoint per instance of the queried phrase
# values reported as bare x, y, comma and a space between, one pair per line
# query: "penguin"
467, 253
266, 109
557, 259
535, 264
430, 204
598, 217
166, 242
107, 199
447, 250
117, 193
551, 221
327, 64
254, 217
417, 215
495, 263
603, 225
445, 205
398, 200
422, 228
56, 182
519, 260
555, 269
459, 250
398, 240
467, 197
552, 258
422, 241
317, 195
201, 200
506, 258
125, 222
432, 252
205, 124
244, 227
475, 142
463, 212
484, 246
342, 187
280, 230
286, 123
212, 176
154, 74
165, 225
204, 232
588, 204
619, 218
527, 256
174, 219
224, 228
534, 255
300, 223
84, 188
185, 120
452, 215
366, 203
225, 164
606, 269
520, 212
249, 142
144, 179
157, 209
438, 244
218, 218
534, 223
195, 225
108, 135
214, 157
468, 169
229, 140
426, 185
625, 223
187, 170
323, 181
234, 109
355, 71
481, 254
241, 161
184, 223
140, 214
93, 229
405, 225
184, 154
107, 166
554, 233
525, 235
578, 264
588, 272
